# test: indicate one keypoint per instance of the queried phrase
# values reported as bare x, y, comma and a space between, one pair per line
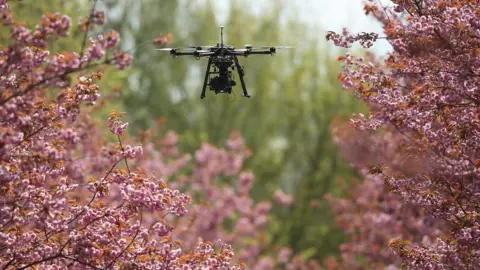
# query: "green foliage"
295, 96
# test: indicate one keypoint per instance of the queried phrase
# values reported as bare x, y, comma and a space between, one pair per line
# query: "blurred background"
295, 95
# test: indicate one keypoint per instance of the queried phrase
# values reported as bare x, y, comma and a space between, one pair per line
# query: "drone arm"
249, 52
261, 52
203, 54
182, 53
241, 73
194, 53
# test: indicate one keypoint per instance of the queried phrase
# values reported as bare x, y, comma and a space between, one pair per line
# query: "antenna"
221, 35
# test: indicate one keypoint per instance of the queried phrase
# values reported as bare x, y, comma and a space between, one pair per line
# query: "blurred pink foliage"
215, 177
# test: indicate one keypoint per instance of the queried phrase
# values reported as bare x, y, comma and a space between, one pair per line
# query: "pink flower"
245, 182
116, 126
132, 152
266, 263
284, 254
282, 198
97, 48
122, 59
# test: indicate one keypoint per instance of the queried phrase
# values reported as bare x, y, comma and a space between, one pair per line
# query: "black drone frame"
223, 57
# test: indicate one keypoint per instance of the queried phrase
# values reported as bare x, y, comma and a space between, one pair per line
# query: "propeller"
169, 49
250, 47
200, 47
276, 47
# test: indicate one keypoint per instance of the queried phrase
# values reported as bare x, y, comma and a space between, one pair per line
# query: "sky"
324, 14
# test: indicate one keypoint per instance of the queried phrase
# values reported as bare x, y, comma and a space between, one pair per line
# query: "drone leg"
206, 78
241, 73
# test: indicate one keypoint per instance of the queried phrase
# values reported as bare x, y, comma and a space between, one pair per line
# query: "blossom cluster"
424, 98
97, 18
346, 38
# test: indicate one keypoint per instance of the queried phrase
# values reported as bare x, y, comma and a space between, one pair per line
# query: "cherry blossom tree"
370, 215
419, 153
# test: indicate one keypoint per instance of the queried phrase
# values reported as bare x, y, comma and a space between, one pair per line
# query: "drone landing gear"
241, 73
223, 83
202, 96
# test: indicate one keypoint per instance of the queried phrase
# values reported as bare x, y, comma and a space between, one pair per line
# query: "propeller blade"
277, 47
179, 48
202, 47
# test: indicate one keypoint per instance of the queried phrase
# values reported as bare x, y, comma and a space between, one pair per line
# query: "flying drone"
222, 61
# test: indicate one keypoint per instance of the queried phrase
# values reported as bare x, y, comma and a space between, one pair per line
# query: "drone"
222, 61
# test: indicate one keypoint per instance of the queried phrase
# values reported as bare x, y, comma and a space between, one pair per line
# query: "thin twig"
84, 42
9, 262
128, 246
418, 5
80, 262
126, 162
95, 194
41, 261
33, 86
36, 132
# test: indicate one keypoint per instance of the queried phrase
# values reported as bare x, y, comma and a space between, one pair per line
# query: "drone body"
222, 61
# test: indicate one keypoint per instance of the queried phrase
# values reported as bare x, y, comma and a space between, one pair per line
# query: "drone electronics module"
222, 61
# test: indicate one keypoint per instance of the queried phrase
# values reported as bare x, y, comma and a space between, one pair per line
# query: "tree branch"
41, 261
80, 262
126, 162
33, 86
131, 242
88, 28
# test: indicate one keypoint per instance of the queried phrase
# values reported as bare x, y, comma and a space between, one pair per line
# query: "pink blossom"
282, 198
132, 152
122, 59
284, 254
116, 126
